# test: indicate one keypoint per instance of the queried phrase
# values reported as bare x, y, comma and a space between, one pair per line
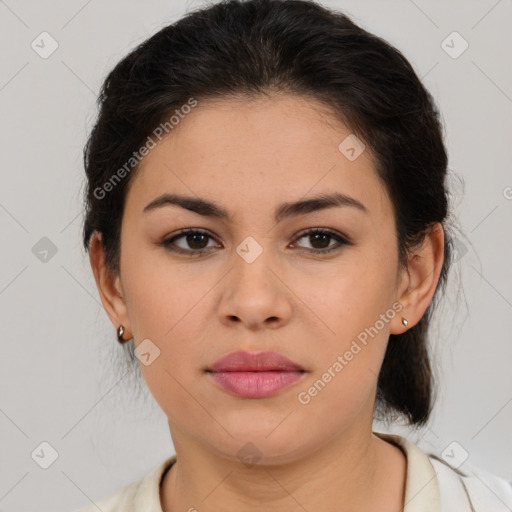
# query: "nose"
255, 293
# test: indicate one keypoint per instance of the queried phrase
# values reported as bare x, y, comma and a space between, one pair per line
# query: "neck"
354, 471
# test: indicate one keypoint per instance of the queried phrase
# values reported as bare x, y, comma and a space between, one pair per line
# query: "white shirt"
431, 486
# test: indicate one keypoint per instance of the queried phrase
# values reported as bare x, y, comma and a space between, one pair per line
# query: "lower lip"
255, 384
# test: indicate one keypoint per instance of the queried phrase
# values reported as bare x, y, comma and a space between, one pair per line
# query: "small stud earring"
405, 322
120, 332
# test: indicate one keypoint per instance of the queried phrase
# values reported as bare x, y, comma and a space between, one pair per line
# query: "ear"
419, 280
109, 286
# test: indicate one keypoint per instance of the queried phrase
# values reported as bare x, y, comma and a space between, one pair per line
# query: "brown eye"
320, 240
194, 241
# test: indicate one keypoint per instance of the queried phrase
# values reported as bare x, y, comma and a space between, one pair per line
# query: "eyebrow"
208, 208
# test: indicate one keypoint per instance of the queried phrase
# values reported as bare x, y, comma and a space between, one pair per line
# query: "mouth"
255, 375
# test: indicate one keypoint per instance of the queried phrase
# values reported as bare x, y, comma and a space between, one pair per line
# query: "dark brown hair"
254, 47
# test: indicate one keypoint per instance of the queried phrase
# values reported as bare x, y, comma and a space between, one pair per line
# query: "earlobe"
109, 285
424, 269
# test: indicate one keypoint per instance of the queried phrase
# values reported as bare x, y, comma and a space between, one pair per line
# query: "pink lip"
243, 361
255, 375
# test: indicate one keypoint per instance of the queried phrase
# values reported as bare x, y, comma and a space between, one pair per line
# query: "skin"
250, 156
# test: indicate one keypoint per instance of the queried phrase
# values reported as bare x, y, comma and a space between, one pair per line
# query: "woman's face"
258, 283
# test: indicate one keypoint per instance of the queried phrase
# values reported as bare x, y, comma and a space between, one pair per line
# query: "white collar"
421, 487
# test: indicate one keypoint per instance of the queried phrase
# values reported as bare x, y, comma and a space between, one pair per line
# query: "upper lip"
242, 361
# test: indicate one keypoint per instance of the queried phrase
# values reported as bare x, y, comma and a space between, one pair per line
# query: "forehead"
250, 153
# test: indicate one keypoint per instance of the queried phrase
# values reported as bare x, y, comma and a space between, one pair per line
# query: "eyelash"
167, 243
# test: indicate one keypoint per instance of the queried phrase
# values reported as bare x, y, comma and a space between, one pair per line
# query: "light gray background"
61, 378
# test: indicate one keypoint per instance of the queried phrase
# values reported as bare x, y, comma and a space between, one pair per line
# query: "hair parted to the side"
255, 47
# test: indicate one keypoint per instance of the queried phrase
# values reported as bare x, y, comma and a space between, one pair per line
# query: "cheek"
175, 370
352, 301
347, 366
358, 310
173, 319
160, 297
